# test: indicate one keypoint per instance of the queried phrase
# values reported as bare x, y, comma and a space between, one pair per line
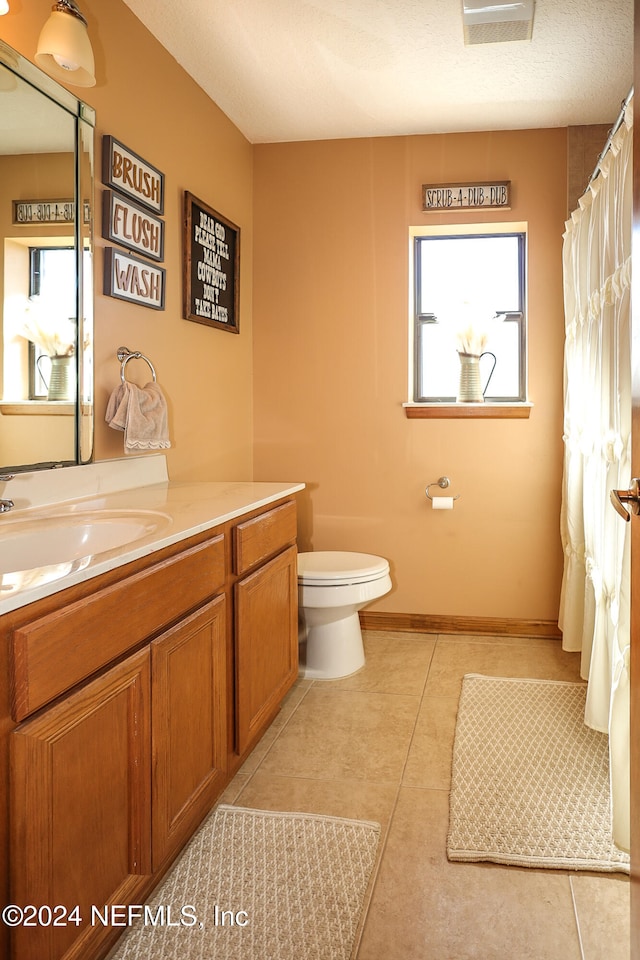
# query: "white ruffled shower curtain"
594, 606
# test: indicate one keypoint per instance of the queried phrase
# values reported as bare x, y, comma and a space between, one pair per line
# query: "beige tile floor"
377, 746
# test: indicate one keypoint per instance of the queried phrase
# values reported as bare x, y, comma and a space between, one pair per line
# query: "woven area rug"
530, 782
255, 885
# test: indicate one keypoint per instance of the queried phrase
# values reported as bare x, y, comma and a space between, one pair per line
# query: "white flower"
55, 335
472, 329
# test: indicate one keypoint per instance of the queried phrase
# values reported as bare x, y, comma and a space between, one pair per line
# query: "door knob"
631, 496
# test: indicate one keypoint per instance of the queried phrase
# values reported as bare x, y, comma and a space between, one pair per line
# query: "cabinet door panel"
266, 643
80, 807
189, 725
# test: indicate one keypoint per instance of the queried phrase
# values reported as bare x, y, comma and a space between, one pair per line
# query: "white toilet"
332, 587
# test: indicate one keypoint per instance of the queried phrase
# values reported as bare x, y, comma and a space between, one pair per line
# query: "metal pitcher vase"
470, 389
62, 378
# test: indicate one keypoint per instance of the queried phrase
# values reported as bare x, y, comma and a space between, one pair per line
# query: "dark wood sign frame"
141, 276
132, 176
211, 267
453, 197
149, 226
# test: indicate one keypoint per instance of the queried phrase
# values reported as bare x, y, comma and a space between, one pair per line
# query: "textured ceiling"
295, 70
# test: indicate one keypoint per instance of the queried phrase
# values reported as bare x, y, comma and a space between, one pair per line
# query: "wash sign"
129, 278
443, 197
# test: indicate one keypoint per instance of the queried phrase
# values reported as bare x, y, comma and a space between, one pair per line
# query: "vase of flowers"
471, 339
56, 338
469, 387
62, 376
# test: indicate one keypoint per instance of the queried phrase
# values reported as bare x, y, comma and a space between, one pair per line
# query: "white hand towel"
117, 404
141, 413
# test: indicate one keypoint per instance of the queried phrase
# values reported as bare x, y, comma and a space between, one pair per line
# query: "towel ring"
124, 355
441, 482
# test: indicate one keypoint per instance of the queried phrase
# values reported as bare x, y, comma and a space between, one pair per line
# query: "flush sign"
443, 197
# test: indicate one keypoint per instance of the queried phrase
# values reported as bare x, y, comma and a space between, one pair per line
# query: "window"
469, 289
52, 278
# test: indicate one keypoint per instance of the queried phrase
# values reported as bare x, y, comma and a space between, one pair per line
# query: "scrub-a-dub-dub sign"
447, 197
211, 266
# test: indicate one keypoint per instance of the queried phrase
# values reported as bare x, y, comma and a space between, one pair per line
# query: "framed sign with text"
132, 176
211, 266
448, 197
132, 226
43, 211
129, 278
47, 211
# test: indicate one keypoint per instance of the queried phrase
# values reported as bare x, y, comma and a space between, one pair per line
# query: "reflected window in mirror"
39, 316
52, 278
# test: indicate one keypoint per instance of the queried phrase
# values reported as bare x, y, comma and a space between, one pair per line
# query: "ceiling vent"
499, 22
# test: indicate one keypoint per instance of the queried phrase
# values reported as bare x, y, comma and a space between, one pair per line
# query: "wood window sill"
467, 411
38, 408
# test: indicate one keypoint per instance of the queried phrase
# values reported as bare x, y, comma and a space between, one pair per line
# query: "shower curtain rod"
612, 133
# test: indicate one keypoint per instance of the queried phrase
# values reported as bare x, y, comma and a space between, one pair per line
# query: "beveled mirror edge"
85, 118
85, 410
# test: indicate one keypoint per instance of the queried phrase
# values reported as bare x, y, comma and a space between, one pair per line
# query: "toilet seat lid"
326, 567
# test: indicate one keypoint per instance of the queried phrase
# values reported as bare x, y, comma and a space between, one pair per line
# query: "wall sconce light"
4, 7
64, 49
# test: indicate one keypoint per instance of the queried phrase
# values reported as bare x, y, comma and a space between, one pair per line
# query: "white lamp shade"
64, 50
4, 7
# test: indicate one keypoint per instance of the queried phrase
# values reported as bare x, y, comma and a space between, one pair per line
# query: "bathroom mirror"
46, 278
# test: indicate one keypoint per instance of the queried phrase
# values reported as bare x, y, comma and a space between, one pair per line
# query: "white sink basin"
40, 550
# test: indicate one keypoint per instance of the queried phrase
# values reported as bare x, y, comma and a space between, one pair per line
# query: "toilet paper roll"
442, 503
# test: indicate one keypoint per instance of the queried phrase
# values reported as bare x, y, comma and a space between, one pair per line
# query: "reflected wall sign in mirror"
46, 278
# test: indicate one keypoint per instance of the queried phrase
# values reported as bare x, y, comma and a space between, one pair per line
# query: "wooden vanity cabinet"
188, 733
134, 699
109, 782
80, 807
266, 644
266, 619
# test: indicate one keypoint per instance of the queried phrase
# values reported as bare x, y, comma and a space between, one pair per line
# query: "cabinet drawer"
52, 654
258, 539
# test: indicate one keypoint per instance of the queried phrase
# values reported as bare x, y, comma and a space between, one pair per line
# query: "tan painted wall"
145, 100
331, 343
329, 337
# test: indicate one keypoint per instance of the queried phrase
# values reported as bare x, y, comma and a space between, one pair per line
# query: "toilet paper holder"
442, 482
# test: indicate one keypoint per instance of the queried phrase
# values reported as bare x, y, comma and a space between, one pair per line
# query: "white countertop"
185, 508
